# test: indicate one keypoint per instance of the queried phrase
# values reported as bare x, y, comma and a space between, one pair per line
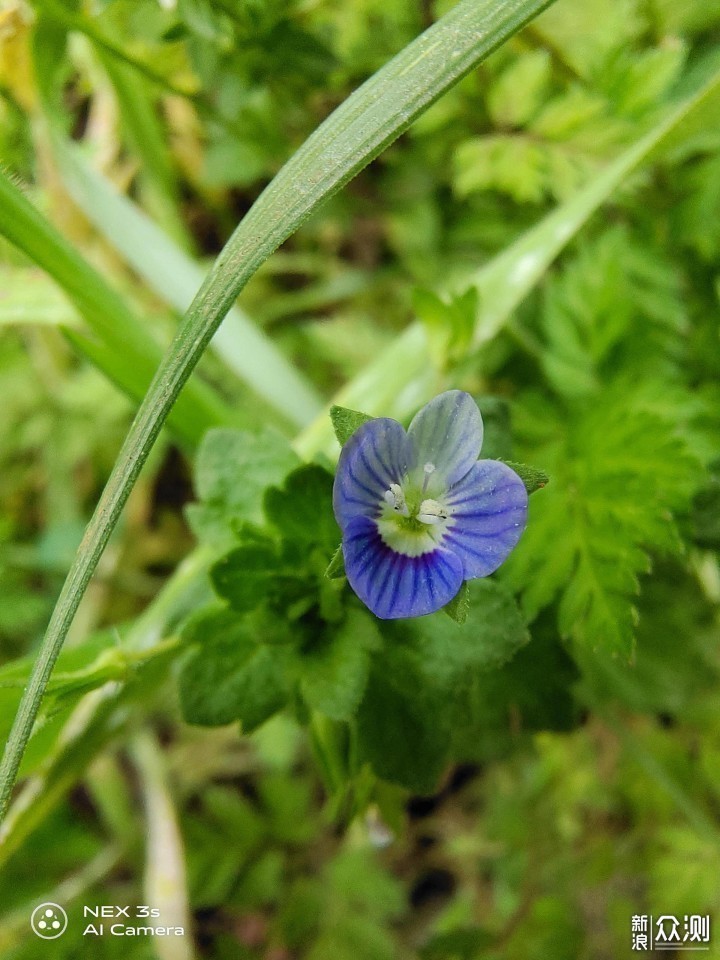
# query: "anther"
395, 498
432, 512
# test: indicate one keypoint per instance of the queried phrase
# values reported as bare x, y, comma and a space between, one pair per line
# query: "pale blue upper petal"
447, 433
489, 513
376, 455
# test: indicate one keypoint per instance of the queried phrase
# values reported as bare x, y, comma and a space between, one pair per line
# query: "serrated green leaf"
490, 711
511, 164
609, 286
416, 676
616, 480
573, 28
671, 606
398, 729
345, 422
228, 675
334, 672
302, 510
248, 576
492, 633
569, 112
235, 466
646, 77
233, 469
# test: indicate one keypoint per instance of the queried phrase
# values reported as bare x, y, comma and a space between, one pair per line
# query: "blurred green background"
595, 795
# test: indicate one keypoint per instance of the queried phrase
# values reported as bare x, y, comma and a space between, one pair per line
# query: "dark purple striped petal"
393, 585
448, 433
489, 513
376, 455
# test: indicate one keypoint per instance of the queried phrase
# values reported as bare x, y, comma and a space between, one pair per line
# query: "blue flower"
419, 513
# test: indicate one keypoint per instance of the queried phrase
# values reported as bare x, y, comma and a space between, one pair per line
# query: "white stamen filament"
428, 469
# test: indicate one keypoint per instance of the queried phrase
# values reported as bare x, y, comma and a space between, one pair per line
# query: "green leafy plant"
368, 122
228, 731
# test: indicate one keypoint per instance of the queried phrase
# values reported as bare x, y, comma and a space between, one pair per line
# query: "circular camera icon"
49, 921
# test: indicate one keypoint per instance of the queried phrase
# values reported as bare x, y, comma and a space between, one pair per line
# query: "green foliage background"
553, 767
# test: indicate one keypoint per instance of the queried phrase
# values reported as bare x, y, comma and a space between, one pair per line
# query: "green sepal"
336, 567
533, 478
459, 606
345, 422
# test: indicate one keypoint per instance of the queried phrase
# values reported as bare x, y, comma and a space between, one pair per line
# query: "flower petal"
393, 585
376, 455
447, 433
489, 513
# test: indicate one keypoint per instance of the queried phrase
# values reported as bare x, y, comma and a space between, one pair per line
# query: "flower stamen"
432, 512
395, 498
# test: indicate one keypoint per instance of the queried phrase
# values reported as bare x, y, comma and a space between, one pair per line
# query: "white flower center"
410, 522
